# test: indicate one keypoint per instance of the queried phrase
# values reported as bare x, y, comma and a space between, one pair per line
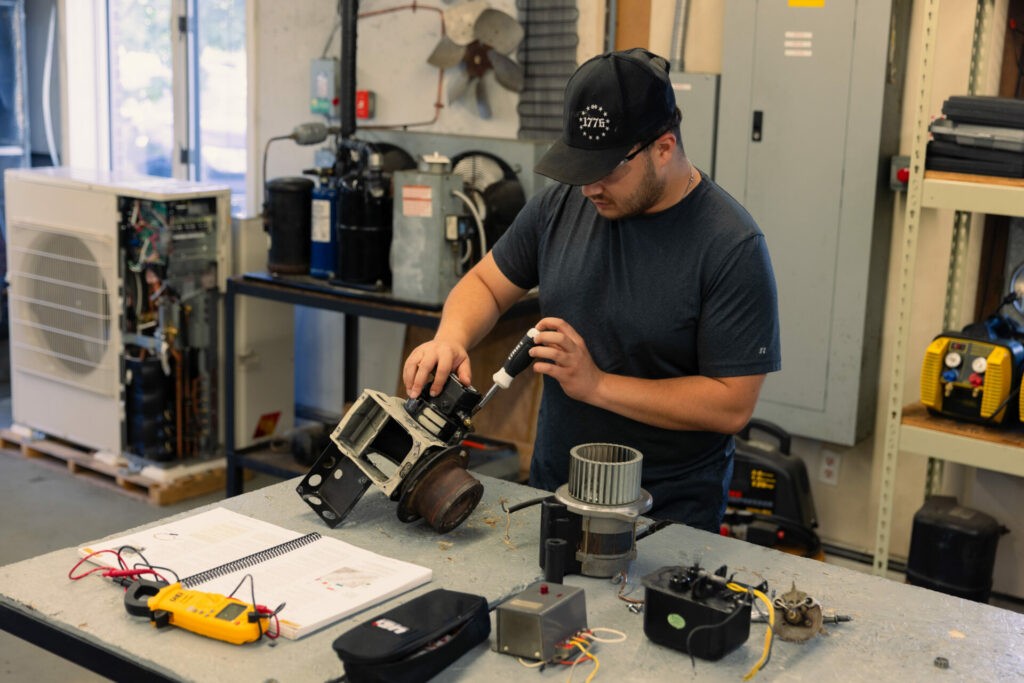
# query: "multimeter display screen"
231, 611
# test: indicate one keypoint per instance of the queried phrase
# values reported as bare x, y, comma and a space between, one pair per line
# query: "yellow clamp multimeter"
208, 614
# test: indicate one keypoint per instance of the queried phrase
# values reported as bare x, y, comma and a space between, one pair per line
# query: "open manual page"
321, 579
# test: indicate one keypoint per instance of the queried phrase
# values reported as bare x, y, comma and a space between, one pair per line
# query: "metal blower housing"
597, 510
409, 449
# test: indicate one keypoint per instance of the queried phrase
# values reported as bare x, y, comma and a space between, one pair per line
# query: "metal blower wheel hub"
605, 474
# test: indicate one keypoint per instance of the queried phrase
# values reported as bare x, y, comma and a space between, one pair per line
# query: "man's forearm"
469, 313
721, 405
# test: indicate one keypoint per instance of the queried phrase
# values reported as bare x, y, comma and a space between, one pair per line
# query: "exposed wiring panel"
170, 326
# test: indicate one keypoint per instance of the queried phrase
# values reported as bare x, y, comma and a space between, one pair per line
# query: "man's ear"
665, 146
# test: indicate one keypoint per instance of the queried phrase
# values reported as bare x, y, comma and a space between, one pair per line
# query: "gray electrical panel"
697, 99
809, 115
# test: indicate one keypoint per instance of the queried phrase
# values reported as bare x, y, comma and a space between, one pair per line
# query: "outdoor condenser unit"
115, 286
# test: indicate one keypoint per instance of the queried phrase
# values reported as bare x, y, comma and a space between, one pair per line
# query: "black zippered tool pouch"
416, 640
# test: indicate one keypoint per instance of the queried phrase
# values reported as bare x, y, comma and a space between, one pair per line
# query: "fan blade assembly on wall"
478, 39
506, 71
446, 54
459, 83
483, 107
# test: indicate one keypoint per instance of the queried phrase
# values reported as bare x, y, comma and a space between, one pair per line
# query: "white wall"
392, 52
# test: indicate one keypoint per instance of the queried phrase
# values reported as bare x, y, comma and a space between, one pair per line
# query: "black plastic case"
985, 110
953, 549
416, 640
771, 481
956, 158
695, 616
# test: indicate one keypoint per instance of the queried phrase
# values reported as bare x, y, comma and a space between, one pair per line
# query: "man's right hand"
435, 358
474, 305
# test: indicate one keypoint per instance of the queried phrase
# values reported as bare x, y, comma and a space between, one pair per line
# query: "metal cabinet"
908, 429
808, 119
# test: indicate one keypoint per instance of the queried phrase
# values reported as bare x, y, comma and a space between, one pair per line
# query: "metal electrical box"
324, 87
533, 623
697, 99
425, 259
809, 116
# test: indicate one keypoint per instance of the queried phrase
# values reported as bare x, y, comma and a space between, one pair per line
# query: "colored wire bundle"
584, 642
588, 638
260, 612
769, 633
123, 574
623, 580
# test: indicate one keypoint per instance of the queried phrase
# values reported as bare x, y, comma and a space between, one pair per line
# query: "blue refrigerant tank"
323, 257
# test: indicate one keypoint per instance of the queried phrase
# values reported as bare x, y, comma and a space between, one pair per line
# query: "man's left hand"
570, 362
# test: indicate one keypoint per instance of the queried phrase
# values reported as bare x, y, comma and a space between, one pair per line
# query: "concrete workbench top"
897, 630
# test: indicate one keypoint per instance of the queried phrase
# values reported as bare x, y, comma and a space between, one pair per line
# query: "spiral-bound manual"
250, 560
320, 579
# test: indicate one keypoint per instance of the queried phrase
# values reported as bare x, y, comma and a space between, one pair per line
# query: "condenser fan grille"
478, 171
493, 186
61, 310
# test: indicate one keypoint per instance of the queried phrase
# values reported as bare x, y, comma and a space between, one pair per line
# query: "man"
658, 294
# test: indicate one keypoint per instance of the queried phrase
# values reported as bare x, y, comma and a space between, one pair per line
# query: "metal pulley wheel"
440, 490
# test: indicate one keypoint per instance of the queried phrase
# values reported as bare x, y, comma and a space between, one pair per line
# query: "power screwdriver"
517, 361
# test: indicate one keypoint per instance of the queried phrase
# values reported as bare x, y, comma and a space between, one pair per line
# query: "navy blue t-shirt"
686, 291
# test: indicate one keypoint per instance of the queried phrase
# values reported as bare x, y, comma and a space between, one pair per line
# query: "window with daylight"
177, 90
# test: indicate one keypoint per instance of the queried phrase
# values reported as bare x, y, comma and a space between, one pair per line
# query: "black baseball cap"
612, 102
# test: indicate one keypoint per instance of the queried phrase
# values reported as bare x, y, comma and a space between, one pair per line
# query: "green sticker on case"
676, 621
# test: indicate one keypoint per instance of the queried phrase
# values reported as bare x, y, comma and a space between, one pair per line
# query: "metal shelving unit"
910, 428
951, 191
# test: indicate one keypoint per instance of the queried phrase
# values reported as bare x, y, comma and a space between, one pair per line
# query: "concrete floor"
44, 509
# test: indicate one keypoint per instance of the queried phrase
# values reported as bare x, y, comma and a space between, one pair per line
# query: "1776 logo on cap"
594, 122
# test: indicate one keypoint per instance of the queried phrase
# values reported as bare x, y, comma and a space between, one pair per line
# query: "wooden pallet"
62, 455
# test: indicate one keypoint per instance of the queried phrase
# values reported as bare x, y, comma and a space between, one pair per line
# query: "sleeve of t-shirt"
516, 251
739, 325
